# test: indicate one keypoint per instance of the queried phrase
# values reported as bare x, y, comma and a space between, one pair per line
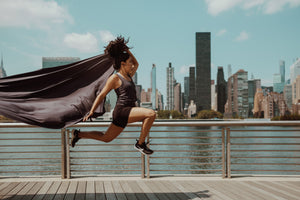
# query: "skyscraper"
186, 92
282, 70
177, 97
253, 85
192, 83
229, 71
295, 70
203, 72
170, 87
221, 90
57, 61
135, 79
2, 70
153, 86
237, 90
277, 84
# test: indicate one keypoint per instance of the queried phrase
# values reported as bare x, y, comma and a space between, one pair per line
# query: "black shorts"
120, 115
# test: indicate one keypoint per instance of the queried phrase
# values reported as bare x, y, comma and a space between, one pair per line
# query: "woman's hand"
88, 116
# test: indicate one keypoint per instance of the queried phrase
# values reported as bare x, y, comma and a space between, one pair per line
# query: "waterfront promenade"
159, 188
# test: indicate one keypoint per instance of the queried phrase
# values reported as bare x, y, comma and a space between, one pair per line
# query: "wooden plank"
174, 190
42, 192
181, 186
81, 188
138, 191
3, 186
291, 184
61, 192
200, 190
166, 190
118, 190
109, 191
90, 191
215, 192
288, 189
146, 190
222, 187
156, 190
128, 191
71, 192
15, 190
278, 190
23, 191
52, 191
100, 193
32, 192
245, 191
267, 193
7, 189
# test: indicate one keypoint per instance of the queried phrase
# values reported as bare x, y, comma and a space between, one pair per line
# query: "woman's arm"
110, 84
135, 63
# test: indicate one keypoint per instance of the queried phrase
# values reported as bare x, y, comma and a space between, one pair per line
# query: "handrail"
181, 146
177, 123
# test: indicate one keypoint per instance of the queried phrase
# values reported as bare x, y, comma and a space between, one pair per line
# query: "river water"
178, 150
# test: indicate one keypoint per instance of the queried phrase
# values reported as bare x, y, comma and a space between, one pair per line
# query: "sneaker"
143, 148
75, 137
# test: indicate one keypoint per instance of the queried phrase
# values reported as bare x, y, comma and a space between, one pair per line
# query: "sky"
253, 35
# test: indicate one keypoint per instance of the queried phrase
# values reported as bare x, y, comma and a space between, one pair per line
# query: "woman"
125, 111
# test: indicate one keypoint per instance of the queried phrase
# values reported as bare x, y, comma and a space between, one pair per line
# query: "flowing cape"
56, 97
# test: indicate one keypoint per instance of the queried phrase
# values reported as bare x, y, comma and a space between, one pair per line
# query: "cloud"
85, 43
106, 36
221, 32
39, 14
242, 36
216, 7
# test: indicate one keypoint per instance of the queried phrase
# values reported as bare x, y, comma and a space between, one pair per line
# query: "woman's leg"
112, 132
142, 114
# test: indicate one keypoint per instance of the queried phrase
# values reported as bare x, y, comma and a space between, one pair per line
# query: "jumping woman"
125, 110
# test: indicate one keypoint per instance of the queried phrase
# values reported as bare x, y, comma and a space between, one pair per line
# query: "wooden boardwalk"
162, 188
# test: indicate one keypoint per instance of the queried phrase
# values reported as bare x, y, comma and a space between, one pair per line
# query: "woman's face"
128, 65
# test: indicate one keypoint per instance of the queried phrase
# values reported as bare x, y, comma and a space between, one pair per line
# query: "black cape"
56, 97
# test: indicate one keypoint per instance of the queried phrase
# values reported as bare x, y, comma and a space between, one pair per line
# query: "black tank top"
126, 92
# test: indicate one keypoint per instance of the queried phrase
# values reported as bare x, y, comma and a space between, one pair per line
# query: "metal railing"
223, 148
28, 150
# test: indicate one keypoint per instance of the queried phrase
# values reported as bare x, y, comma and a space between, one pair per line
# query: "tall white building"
170, 87
2, 70
295, 70
153, 86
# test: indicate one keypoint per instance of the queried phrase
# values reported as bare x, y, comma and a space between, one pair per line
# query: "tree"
163, 114
209, 114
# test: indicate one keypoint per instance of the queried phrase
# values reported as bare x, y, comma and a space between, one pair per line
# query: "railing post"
228, 153
224, 174
148, 159
68, 161
142, 165
63, 154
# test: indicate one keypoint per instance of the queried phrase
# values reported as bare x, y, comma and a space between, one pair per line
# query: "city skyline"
159, 33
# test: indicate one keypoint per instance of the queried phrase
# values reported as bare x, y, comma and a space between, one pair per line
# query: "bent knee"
107, 140
151, 114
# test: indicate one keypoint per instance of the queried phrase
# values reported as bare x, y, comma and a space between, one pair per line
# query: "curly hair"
117, 49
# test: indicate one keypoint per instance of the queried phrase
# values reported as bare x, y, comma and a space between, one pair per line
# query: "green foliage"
287, 117
165, 114
209, 114
2, 118
176, 114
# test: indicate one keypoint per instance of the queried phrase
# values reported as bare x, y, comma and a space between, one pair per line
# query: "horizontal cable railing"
29, 151
223, 148
264, 151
